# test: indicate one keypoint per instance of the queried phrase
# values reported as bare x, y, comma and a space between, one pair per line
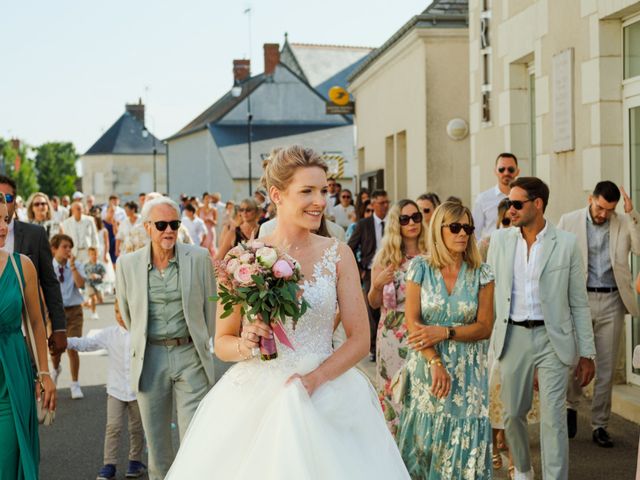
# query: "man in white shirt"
60, 213
542, 323
119, 213
485, 209
194, 225
82, 229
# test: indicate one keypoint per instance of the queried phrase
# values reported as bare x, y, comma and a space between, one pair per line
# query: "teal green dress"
19, 444
450, 437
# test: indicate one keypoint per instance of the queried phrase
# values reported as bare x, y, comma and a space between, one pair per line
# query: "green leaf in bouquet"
258, 280
253, 297
226, 313
289, 309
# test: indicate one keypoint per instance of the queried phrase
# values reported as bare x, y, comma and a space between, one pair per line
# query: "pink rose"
232, 266
242, 275
256, 245
282, 269
235, 251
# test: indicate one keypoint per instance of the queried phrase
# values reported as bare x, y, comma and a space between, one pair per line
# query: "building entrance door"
632, 152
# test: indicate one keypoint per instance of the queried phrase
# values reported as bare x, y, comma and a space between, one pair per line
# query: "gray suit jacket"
198, 286
624, 237
563, 293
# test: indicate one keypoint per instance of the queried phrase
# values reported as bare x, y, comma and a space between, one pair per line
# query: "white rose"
266, 256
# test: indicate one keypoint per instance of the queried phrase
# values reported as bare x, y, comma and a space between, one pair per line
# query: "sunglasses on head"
508, 169
506, 221
404, 219
457, 226
517, 204
162, 225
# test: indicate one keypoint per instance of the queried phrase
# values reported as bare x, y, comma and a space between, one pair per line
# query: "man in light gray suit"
164, 291
542, 323
605, 240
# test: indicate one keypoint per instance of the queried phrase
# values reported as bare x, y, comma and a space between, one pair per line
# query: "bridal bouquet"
264, 282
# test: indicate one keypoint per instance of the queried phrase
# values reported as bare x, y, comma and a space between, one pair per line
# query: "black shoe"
572, 422
602, 438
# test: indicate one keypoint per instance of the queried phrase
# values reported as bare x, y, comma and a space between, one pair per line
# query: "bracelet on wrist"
244, 357
40, 374
435, 360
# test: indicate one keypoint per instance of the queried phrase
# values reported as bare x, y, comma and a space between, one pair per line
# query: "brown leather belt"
170, 342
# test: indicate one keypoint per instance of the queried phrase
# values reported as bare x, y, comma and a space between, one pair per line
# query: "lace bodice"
314, 331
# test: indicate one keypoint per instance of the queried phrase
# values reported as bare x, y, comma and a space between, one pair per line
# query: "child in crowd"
71, 276
95, 273
121, 399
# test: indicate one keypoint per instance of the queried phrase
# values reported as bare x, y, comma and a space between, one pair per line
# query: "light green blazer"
198, 286
563, 292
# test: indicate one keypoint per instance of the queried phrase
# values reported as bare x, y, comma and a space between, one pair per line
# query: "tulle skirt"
253, 425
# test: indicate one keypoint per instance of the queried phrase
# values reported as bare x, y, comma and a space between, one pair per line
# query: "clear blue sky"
70, 66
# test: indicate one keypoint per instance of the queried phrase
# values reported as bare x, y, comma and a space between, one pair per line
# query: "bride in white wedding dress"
308, 414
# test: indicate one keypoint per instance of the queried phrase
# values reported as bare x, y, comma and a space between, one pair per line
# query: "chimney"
137, 110
241, 70
271, 57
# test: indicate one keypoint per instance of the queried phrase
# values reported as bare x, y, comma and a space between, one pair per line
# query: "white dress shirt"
9, 242
525, 292
485, 211
196, 228
116, 341
60, 215
341, 215
84, 234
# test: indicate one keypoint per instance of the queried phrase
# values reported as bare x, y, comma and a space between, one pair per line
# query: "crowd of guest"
482, 320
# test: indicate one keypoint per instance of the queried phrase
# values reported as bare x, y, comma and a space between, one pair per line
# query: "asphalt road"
72, 448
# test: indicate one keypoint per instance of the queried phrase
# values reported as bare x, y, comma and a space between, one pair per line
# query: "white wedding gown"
254, 426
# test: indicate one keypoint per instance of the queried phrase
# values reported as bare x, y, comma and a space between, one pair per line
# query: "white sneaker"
94, 316
55, 373
76, 392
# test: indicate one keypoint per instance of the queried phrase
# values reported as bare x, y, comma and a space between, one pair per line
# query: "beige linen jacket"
624, 237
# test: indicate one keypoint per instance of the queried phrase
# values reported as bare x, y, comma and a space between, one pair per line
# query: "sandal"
497, 460
512, 472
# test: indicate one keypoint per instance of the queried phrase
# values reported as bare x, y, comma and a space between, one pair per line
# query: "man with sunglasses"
33, 241
164, 292
485, 209
542, 323
605, 240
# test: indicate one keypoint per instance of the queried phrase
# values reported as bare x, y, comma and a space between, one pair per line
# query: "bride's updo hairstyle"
282, 164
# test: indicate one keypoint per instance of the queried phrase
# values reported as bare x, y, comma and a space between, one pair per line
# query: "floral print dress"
391, 344
449, 437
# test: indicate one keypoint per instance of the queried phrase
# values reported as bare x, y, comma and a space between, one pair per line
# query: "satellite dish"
338, 95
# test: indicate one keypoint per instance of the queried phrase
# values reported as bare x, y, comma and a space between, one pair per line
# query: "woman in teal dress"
19, 444
444, 429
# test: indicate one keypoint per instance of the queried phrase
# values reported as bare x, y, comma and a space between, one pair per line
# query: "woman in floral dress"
404, 239
444, 430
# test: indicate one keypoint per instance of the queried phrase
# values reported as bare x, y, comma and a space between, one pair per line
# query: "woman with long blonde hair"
444, 430
405, 237
40, 212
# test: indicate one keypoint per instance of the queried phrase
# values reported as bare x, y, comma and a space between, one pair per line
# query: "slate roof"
227, 135
221, 107
322, 66
125, 138
440, 14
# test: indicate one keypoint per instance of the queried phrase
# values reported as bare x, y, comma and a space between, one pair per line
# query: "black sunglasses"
162, 225
426, 211
509, 169
517, 204
368, 210
506, 221
404, 219
457, 226
39, 204
346, 196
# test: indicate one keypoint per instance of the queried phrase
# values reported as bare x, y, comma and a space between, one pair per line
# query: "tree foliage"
16, 164
56, 166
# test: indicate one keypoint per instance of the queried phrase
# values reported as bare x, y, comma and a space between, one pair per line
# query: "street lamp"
236, 91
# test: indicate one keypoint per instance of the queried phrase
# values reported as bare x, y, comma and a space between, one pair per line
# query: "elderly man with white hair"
164, 290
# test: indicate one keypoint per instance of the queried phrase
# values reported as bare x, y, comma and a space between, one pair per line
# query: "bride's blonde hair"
282, 164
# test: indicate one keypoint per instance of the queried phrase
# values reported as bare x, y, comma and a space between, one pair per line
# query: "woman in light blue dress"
444, 429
